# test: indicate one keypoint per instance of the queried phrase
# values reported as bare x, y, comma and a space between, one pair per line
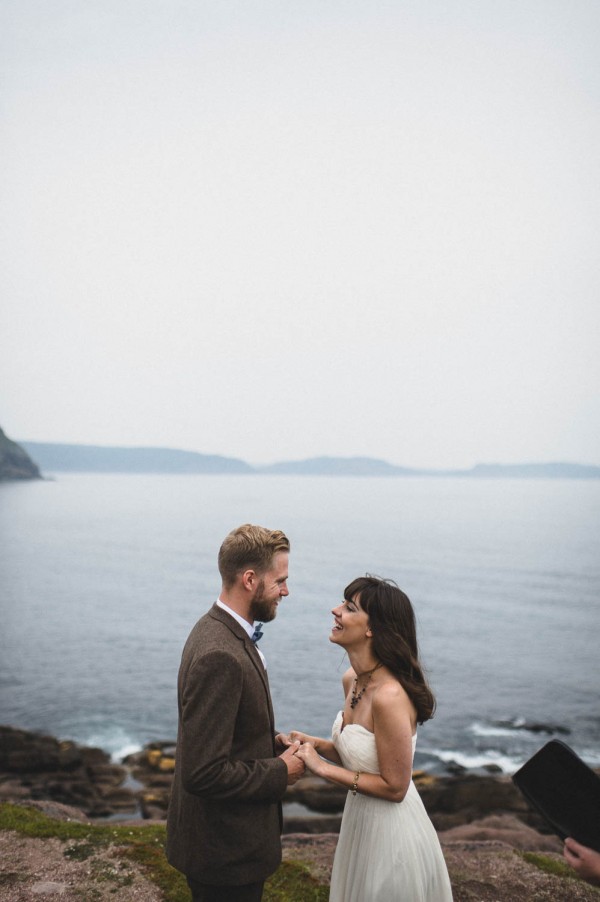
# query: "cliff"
15, 463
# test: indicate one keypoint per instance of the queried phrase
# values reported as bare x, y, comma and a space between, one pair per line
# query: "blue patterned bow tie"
256, 635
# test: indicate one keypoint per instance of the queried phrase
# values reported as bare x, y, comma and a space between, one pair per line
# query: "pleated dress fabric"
387, 851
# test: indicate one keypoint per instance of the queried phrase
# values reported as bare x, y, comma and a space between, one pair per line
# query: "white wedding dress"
387, 851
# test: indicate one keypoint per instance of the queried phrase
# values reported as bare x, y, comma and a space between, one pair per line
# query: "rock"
15, 463
316, 851
56, 810
451, 801
480, 871
155, 758
495, 872
505, 828
533, 727
453, 767
317, 794
493, 768
48, 888
106, 775
42, 768
311, 825
21, 751
39, 767
154, 802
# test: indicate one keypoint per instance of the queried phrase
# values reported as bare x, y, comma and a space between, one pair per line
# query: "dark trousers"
203, 892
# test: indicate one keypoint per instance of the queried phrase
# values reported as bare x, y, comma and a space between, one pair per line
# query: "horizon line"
315, 457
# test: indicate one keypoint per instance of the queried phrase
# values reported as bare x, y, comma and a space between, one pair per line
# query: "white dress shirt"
247, 626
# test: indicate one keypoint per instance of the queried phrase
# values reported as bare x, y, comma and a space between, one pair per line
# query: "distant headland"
54, 458
15, 463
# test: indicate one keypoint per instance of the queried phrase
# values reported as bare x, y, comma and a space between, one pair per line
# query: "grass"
293, 882
549, 865
145, 845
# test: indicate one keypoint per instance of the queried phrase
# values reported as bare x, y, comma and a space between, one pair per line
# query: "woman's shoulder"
391, 694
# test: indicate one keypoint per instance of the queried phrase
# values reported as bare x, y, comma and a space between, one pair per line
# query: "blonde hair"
249, 548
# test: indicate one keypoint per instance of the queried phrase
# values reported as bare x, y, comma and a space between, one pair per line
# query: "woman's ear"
369, 633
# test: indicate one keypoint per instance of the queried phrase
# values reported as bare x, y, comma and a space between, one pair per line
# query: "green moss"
550, 865
145, 846
293, 882
80, 851
152, 859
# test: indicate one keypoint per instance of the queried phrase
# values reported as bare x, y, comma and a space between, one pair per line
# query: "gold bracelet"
355, 783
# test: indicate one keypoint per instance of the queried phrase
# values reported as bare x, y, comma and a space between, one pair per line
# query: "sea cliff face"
15, 463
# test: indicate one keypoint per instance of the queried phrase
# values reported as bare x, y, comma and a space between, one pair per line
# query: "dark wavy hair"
392, 622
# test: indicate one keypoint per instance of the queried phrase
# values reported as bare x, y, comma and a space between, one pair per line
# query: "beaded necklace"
356, 696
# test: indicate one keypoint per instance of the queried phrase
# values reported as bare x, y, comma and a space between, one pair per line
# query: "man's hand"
282, 742
583, 860
294, 765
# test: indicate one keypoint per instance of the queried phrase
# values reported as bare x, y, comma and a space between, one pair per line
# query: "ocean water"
102, 577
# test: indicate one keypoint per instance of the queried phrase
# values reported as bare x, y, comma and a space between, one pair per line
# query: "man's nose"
284, 590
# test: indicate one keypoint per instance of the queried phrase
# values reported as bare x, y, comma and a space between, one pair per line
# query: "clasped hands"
302, 747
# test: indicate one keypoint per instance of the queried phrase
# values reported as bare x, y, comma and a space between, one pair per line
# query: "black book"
565, 791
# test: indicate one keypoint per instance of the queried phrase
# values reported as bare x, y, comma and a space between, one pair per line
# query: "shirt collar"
247, 626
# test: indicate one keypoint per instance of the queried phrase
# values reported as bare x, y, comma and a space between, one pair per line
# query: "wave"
114, 740
479, 760
517, 726
486, 730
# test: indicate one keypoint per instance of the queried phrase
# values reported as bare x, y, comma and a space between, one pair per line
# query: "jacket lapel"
250, 648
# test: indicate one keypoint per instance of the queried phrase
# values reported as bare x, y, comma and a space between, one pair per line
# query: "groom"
224, 819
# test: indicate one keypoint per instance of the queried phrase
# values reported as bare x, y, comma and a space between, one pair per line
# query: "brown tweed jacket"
224, 819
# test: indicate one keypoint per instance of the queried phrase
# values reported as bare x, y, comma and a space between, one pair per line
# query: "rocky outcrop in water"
15, 463
34, 766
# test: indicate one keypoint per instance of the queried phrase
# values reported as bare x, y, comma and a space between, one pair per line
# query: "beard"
260, 607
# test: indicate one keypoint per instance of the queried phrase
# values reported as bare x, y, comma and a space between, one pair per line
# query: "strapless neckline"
358, 726
342, 727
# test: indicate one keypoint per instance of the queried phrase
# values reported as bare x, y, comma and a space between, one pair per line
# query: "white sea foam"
485, 729
478, 760
130, 749
591, 757
114, 740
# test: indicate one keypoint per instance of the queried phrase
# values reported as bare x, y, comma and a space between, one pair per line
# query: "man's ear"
249, 580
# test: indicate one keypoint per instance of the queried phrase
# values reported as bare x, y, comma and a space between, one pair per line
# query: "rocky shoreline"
37, 767
496, 849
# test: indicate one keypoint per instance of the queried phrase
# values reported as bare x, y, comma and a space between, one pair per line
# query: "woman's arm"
325, 747
393, 716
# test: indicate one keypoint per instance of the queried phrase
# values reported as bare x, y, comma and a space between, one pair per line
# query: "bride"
388, 849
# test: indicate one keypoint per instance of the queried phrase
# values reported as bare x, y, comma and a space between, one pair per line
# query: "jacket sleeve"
211, 710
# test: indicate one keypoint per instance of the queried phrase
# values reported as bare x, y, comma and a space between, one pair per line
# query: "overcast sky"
274, 230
